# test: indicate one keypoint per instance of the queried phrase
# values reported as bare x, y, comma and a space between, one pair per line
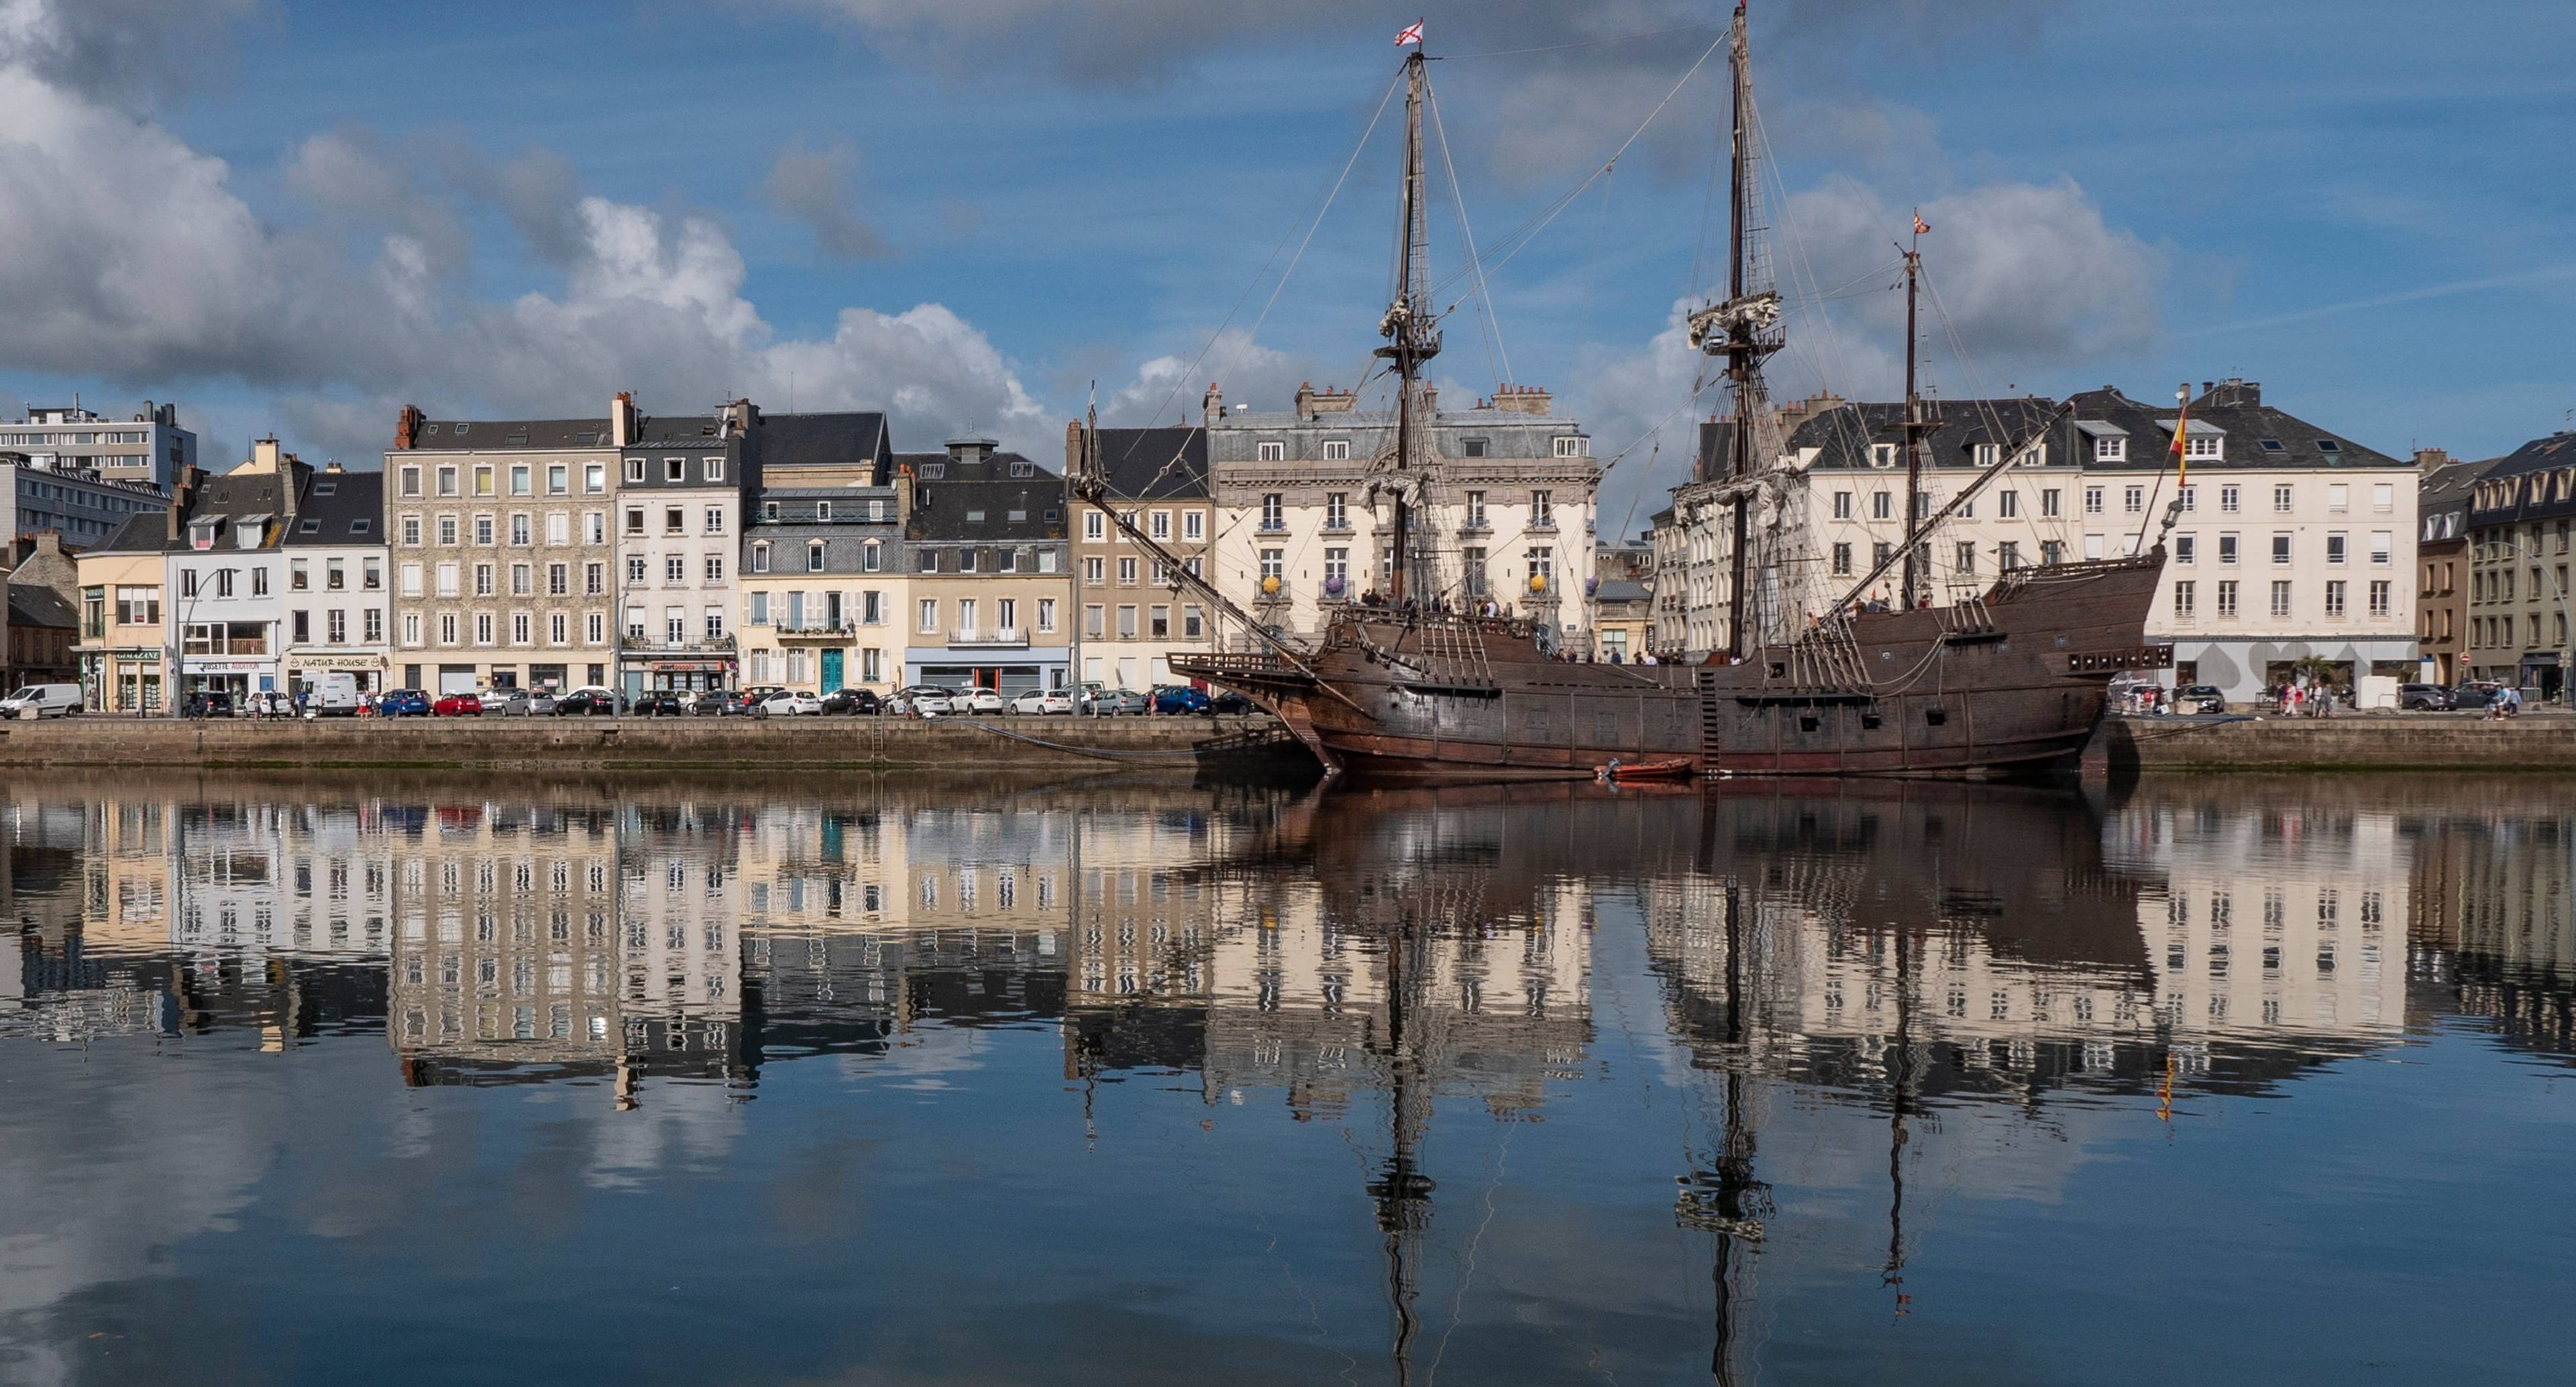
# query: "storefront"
690, 675
227, 674
366, 668
122, 680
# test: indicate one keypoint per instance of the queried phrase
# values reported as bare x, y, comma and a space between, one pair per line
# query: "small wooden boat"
1664, 768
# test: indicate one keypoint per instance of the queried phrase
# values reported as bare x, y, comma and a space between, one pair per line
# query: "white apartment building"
226, 575
339, 597
1508, 517
680, 497
2293, 542
502, 557
149, 450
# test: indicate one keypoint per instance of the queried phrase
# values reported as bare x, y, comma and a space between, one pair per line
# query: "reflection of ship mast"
1902, 1071
1402, 1192
1729, 1201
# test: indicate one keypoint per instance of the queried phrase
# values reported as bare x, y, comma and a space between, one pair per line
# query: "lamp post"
179, 655
2566, 624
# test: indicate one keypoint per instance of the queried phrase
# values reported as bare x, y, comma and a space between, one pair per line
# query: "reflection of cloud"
923, 1058
675, 1123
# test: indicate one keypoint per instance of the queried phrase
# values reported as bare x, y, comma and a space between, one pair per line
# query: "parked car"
924, 700
979, 701
1231, 704
45, 700
750, 698
402, 703
659, 703
852, 702
2424, 698
519, 703
788, 703
218, 703
2199, 698
1043, 701
1117, 703
458, 705
2475, 694
588, 702
1177, 698
716, 703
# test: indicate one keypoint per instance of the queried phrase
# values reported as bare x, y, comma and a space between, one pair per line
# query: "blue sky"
298, 216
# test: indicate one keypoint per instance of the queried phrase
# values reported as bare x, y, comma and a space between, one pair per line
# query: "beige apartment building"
124, 646
2519, 514
1134, 614
1507, 518
501, 545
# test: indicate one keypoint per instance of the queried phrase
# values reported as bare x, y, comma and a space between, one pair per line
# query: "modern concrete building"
502, 557
2519, 513
1134, 615
2294, 541
986, 535
148, 450
1507, 519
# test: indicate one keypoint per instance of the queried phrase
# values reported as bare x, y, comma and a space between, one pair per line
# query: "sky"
296, 217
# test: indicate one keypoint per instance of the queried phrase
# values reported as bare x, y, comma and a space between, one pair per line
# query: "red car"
457, 706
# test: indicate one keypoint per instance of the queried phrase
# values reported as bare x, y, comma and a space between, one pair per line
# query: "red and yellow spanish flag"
2182, 459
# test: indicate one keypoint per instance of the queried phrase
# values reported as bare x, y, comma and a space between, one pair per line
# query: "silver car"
519, 703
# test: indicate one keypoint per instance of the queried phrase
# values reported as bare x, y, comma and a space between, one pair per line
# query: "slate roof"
31, 605
2536, 493
825, 440
1842, 434
986, 488
235, 496
1621, 590
340, 508
531, 434
2235, 408
140, 534
1155, 464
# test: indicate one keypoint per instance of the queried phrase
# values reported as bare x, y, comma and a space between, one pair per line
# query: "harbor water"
444, 1078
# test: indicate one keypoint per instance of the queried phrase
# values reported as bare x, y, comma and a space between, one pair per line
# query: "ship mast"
1411, 332
1915, 427
1744, 328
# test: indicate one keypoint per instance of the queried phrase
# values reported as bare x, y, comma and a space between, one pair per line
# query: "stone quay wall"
2360, 742
1178, 745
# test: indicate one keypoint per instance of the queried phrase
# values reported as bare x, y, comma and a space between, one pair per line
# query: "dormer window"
933, 471
1474, 447
1573, 446
1882, 455
201, 533
2202, 446
675, 469
1271, 450
822, 510
2111, 448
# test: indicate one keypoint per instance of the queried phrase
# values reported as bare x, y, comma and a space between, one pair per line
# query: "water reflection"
1791, 1018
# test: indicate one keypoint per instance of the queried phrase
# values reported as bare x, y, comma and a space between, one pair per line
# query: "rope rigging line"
1501, 363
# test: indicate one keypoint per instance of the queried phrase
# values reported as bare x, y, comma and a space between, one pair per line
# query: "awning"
2095, 428
2199, 426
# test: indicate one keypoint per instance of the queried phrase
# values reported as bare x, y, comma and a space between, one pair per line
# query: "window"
2186, 548
2052, 551
1337, 514
634, 520
675, 570
1472, 566
674, 521
1126, 623
715, 570
714, 624
297, 578
675, 469
1842, 505
870, 557
1475, 510
447, 481
300, 626
822, 511
2280, 597
522, 580
2182, 601
1095, 571
411, 628
1274, 567
2227, 548
411, 531
2334, 600
2008, 556
929, 614
2334, 547
2111, 448
594, 579
594, 527
447, 628
1882, 505
558, 580
1127, 571
1271, 450
519, 480
558, 529
1095, 526
1842, 560
1967, 558
373, 625
1573, 446
521, 531
485, 629
484, 530
2379, 595
1273, 511
2008, 505
635, 471
448, 576
716, 518
715, 468
1046, 615
2379, 547
2383, 497
1542, 510
594, 478
2280, 548
2133, 500
1193, 525
2048, 503
758, 605
1337, 572
2338, 497
1095, 621
760, 557
2227, 599
1473, 447
482, 481
522, 629
2201, 445
2228, 500
2281, 499
813, 556
558, 479
1337, 449
966, 560
411, 481
1882, 455
2092, 500
1542, 567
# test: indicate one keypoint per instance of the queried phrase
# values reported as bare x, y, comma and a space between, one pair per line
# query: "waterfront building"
1670, 633
2443, 561
124, 645
2519, 513
225, 546
986, 538
1134, 615
502, 557
824, 588
1506, 519
147, 451
679, 497
821, 573
2294, 542
337, 605
44, 612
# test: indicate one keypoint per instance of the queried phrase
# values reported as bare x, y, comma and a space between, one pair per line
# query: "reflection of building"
679, 959
2491, 916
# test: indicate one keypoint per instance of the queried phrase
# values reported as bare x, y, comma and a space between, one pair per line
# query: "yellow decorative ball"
1538, 582
1270, 584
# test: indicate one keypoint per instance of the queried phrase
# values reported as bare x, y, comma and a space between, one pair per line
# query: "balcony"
999, 638
695, 645
814, 630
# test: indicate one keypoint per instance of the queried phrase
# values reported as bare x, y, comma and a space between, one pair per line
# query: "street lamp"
2566, 625
179, 656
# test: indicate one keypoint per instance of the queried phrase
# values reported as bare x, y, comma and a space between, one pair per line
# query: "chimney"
1305, 400
621, 419
1212, 405
264, 455
1431, 397
49, 542
1072, 447
183, 493
407, 427
1523, 399
2427, 459
971, 448
740, 416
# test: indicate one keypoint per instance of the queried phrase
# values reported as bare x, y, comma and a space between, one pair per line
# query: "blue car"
403, 703
1179, 698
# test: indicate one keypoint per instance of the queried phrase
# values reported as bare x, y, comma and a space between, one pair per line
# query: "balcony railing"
1010, 637
635, 641
813, 629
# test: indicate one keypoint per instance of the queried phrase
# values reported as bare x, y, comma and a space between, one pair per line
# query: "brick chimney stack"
621, 419
407, 427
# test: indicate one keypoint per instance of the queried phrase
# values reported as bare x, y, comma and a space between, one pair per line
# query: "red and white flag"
1921, 227
1412, 34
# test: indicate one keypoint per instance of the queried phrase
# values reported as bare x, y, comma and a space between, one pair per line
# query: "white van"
332, 694
48, 701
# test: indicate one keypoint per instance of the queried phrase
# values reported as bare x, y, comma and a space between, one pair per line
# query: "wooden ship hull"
2011, 681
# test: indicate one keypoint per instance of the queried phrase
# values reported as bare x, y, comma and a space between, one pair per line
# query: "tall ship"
1412, 687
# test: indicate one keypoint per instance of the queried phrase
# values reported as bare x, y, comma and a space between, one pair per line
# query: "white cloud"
1170, 388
